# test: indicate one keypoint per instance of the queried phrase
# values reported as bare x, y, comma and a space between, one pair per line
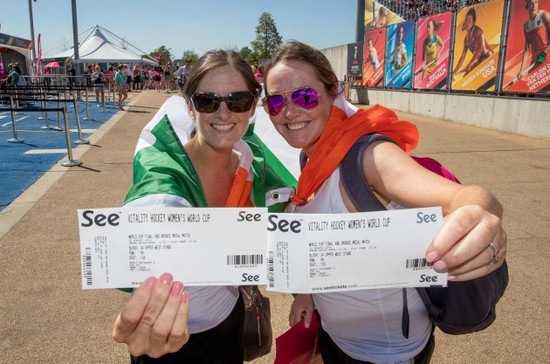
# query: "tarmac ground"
45, 316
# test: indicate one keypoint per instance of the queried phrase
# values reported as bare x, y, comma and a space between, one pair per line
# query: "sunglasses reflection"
306, 98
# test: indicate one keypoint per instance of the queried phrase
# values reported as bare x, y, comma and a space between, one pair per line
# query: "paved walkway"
45, 317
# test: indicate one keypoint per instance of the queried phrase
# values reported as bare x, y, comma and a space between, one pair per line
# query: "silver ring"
495, 252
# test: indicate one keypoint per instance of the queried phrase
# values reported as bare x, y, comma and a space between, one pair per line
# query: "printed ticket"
121, 247
313, 253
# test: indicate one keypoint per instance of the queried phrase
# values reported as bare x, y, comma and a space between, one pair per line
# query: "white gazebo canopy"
96, 48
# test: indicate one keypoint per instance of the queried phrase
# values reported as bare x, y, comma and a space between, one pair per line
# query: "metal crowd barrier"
13, 109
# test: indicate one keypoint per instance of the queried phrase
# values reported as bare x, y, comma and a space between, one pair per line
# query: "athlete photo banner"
399, 49
374, 53
527, 62
477, 46
377, 15
355, 64
433, 42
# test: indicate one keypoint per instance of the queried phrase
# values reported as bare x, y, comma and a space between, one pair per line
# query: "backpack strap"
357, 188
354, 182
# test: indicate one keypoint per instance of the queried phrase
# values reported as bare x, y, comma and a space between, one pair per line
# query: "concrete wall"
518, 115
338, 57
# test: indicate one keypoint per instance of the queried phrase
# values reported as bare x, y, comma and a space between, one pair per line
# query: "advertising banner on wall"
355, 64
399, 48
527, 62
377, 15
374, 53
477, 46
433, 42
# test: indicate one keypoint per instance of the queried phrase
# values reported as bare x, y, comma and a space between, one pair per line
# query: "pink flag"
2, 71
39, 58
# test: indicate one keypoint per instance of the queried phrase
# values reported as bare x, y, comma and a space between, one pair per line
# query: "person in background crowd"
14, 74
260, 74
110, 76
307, 107
184, 72
121, 85
88, 75
71, 74
163, 322
147, 78
167, 80
98, 81
137, 72
129, 77
158, 74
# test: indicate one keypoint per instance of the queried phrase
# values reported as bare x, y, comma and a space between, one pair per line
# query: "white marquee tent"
96, 48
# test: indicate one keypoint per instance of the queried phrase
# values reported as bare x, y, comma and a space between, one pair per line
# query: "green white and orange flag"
345, 126
164, 175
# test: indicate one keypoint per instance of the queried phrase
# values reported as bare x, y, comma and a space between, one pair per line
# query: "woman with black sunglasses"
307, 107
204, 163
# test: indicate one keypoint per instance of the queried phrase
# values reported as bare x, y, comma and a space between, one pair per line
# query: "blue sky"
182, 24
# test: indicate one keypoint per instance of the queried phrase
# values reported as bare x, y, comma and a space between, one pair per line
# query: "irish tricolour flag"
164, 176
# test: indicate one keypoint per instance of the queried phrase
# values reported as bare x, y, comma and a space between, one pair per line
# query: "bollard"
78, 127
87, 107
70, 162
58, 128
44, 104
15, 139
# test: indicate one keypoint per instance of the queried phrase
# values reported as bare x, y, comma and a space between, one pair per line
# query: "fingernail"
166, 279
306, 325
176, 288
440, 266
150, 282
184, 296
451, 278
432, 257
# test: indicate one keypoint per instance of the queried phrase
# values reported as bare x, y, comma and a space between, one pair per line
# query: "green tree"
267, 37
190, 54
249, 55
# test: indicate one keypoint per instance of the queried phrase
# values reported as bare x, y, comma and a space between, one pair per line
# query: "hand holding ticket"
312, 253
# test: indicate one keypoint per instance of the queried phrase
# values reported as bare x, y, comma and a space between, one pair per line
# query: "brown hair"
297, 51
218, 58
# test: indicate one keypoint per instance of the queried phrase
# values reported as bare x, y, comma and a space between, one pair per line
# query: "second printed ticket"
313, 253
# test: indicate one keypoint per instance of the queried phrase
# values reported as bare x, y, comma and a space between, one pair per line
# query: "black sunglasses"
209, 102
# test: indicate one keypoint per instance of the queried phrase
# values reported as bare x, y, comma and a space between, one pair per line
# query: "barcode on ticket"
242, 259
88, 266
417, 263
270, 270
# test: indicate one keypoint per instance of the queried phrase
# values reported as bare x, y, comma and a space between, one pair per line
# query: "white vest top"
366, 324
